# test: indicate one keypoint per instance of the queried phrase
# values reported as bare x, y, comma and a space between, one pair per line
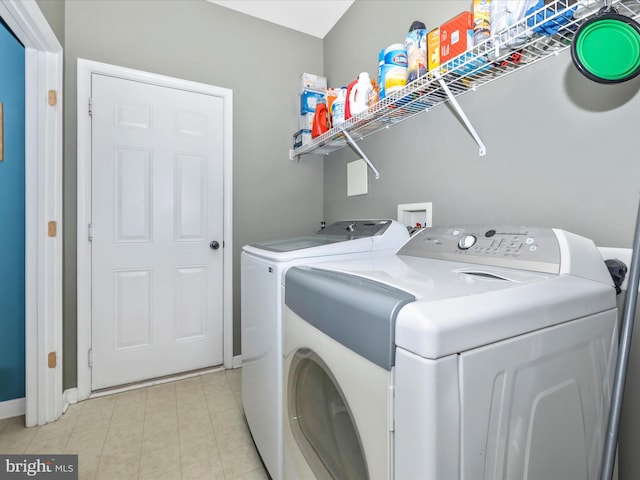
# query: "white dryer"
262, 268
476, 352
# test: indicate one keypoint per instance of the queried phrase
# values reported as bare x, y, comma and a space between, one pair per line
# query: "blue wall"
12, 212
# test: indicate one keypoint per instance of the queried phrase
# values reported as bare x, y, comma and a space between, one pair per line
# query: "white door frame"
85, 69
43, 186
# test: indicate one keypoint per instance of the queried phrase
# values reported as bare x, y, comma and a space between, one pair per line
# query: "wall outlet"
416, 214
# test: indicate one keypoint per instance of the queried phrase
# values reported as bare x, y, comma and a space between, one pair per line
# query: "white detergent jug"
337, 108
359, 94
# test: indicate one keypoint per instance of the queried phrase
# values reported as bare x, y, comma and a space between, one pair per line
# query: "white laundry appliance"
262, 268
476, 352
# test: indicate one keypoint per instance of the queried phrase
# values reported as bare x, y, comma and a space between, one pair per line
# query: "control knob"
467, 241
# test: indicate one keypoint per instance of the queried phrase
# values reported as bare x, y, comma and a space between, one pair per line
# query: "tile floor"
189, 429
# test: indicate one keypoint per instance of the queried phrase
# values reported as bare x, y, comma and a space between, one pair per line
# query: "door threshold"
155, 381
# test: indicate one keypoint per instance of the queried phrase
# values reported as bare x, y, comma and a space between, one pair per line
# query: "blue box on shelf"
301, 137
309, 99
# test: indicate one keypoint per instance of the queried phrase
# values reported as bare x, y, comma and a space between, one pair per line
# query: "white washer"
262, 268
476, 352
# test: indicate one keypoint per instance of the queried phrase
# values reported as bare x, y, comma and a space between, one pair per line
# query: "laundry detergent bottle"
359, 94
321, 121
337, 108
416, 45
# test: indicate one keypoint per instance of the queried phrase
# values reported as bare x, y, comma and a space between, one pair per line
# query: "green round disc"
609, 49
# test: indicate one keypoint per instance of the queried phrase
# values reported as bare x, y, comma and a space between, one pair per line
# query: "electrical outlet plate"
414, 214
357, 181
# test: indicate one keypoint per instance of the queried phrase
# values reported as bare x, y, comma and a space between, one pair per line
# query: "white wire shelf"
505, 52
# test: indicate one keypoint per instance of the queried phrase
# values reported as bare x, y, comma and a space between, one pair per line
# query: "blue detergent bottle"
416, 45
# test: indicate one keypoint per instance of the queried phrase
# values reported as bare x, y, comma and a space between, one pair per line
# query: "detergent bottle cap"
417, 25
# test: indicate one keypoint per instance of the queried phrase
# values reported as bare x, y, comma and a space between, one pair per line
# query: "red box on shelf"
456, 36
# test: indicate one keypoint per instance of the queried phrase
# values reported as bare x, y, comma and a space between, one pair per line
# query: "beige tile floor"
189, 429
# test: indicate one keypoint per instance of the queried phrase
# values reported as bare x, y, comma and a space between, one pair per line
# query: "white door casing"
43, 187
136, 235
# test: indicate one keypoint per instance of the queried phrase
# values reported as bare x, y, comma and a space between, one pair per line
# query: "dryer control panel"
518, 247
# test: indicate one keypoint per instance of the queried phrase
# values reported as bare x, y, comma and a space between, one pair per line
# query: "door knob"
214, 245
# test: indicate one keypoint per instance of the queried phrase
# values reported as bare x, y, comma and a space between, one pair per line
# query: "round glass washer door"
321, 421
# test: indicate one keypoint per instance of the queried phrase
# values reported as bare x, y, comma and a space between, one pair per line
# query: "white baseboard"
237, 361
12, 408
69, 397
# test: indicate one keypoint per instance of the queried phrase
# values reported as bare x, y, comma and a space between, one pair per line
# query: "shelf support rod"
458, 108
355, 146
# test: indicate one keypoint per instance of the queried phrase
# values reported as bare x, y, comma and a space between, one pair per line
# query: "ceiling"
313, 17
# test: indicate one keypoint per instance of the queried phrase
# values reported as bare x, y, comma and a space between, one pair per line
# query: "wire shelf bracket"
452, 99
359, 151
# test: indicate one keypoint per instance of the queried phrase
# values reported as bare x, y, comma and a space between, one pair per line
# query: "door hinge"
52, 98
52, 229
90, 106
52, 360
90, 357
90, 233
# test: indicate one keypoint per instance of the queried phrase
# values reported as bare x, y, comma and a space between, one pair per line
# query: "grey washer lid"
357, 312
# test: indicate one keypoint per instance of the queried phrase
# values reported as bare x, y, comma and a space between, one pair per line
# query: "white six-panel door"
156, 207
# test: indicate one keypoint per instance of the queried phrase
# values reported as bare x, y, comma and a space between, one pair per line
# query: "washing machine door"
338, 354
321, 421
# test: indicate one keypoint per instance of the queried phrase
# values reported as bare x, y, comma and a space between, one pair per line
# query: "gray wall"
53, 11
199, 41
562, 151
